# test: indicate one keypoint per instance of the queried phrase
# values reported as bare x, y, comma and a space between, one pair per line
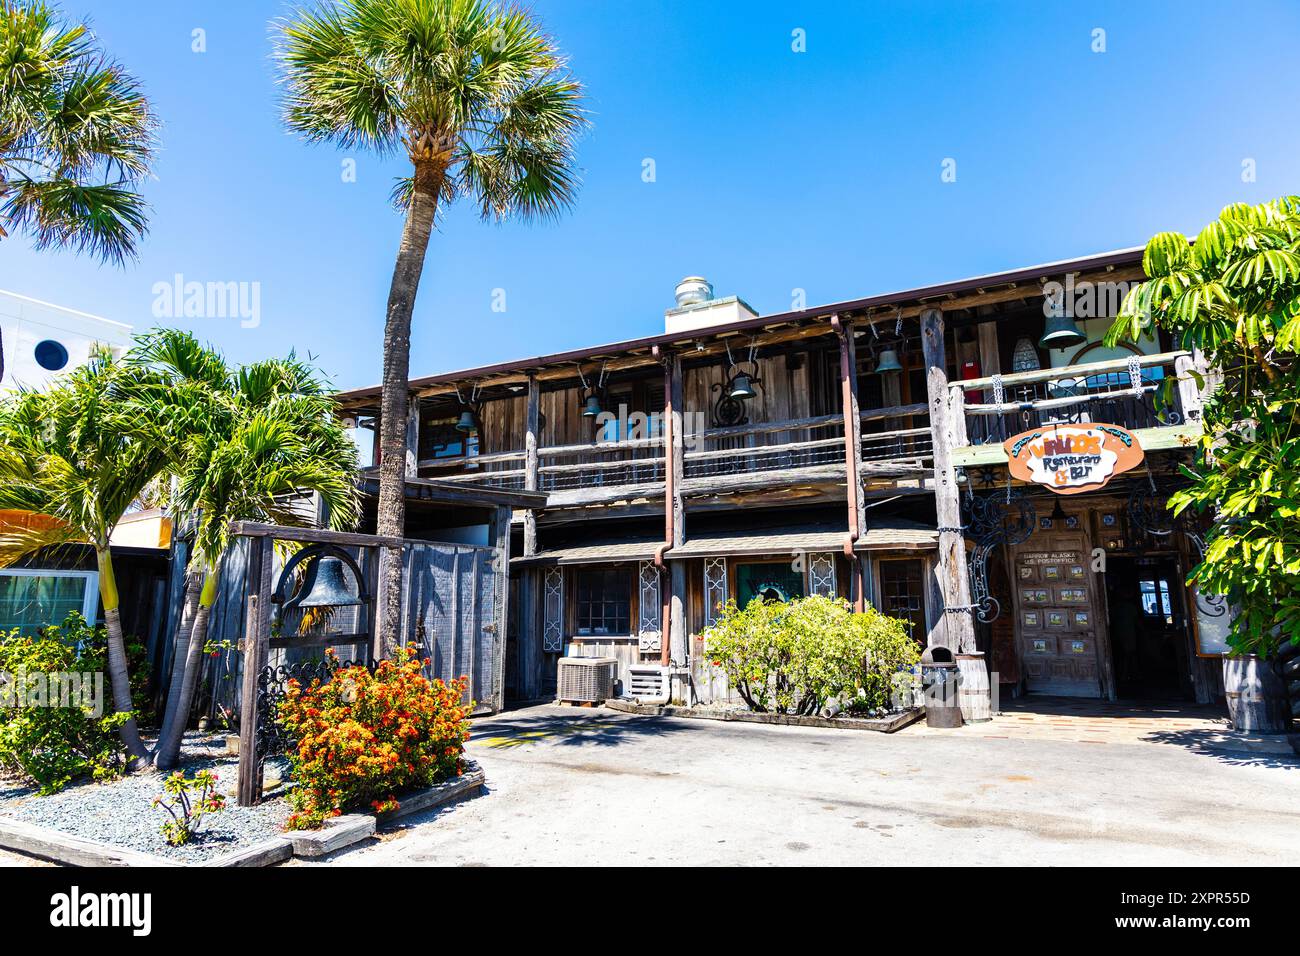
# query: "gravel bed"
121, 812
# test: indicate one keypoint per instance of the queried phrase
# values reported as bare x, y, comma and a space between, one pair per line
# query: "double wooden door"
1057, 606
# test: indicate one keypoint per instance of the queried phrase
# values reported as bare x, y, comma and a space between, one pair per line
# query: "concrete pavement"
592, 787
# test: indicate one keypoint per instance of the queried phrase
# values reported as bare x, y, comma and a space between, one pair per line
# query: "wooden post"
531, 428
676, 648
500, 531
958, 627
257, 633
852, 457
1190, 395
413, 438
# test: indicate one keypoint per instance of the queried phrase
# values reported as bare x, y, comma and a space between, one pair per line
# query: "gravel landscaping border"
81, 844
886, 725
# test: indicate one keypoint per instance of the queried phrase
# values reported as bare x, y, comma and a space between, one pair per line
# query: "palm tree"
73, 454
479, 101
263, 435
76, 138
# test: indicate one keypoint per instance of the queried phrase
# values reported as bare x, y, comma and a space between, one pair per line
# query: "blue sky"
775, 170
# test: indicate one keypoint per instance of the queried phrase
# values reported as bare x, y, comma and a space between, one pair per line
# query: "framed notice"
1213, 622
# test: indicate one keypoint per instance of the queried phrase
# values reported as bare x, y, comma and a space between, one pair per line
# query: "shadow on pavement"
581, 729
1224, 747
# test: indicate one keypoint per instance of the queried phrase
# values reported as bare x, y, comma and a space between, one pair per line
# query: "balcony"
753, 456
1152, 395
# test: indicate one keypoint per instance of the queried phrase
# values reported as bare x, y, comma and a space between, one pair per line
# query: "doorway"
1148, 627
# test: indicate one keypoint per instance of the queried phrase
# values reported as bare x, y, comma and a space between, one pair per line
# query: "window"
30, 600
902, 593
51, 355
604, 602
1155, 599
770, 580
441, 440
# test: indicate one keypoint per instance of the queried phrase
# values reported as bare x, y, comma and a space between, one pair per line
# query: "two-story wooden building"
854, 449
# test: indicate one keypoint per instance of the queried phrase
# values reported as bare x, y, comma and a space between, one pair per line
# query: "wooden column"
413, 438
853, 457
257, 634
958, 628
678, 644
500, 534
531, 428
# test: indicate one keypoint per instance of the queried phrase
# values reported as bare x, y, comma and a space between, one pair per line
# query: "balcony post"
957, 629
852, 456
531, 428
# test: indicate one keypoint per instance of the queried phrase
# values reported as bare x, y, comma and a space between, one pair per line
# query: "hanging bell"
466, 422
741, 387
592, 407
1060, 332
329, 587
888, 362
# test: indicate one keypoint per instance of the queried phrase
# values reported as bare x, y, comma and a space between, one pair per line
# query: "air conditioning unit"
587, 680
649, 683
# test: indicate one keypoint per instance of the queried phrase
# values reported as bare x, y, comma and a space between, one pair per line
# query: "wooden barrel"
973, 697
1257, 698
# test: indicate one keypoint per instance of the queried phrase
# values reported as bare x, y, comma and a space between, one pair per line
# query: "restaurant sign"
1070, 459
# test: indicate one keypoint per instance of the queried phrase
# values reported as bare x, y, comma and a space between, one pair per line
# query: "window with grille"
902, 593
603, 602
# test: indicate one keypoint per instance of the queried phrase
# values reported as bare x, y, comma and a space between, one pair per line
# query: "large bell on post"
330, 587
1060, 332
888, 362
742, 388
466, 422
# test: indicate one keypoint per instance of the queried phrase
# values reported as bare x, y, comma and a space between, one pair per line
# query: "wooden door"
1057, 614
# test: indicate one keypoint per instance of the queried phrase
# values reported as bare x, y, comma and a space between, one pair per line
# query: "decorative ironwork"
728, 411
993, 520
648, 632
272, 738
553, 604
821, 575
715, 589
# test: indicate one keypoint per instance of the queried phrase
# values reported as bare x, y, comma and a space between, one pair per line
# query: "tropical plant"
76, 138
1233, 295
364, 739
79, 454
478, 99
254, 440
52, 726
187, 801
798, 656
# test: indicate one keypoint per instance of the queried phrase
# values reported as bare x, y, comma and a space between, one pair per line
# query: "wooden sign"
1070, 459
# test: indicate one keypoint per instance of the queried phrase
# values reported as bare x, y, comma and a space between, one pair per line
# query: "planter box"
335, 834
886, 725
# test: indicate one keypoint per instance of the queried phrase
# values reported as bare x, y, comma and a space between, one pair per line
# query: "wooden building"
853, 449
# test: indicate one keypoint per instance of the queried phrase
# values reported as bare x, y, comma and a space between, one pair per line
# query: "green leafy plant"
363, 739
54, 745
1233, 295
191, 799
797, 656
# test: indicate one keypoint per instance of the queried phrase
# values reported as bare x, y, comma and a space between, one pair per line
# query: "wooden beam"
257, 634
957, 629
532, 427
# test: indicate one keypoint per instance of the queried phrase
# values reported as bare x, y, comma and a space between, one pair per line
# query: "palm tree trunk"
173, 732
118, 677
395, 398
180, 649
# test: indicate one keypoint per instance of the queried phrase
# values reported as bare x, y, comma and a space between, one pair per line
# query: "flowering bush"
56, 716
797, 656
192, 798
365, 738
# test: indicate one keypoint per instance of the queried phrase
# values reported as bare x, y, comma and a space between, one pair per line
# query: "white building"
41, 340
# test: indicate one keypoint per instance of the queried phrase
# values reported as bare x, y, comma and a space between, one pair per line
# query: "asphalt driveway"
595, 787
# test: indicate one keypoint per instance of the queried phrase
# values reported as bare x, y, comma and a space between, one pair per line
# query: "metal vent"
648, 683
587, 680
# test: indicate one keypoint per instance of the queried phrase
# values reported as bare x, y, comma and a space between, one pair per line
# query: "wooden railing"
1127, 392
